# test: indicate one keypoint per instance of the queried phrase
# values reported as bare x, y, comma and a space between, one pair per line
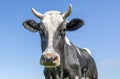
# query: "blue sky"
20, 49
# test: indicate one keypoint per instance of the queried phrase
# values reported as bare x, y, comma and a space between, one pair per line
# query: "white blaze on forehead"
51, 22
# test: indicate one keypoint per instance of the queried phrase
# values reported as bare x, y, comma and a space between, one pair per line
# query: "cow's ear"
31, 25
74, 24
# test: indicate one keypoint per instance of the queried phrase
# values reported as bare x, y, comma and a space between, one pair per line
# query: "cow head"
52, 31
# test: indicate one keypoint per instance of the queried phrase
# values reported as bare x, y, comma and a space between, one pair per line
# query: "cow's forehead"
53, 15
52, 12
52, 19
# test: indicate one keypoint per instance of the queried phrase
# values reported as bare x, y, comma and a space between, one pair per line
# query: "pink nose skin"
50, 60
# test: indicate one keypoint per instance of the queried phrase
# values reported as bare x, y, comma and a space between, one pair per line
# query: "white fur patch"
85, 78
66, 78
78, 51
50, 76
77, 77
94, 76
88, 50
67, 41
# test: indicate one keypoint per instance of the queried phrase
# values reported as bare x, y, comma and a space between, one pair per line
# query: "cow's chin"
50, 65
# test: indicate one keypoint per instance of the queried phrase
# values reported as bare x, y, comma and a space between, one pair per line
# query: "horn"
66, 14
37, 14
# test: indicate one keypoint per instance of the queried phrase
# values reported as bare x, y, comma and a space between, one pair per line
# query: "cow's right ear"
31, 25
74, 24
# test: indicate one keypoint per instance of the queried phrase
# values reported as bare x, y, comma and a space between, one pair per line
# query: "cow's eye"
42, 26
62, 33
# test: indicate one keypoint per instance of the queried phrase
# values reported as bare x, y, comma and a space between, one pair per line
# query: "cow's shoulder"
83, 53
87, 50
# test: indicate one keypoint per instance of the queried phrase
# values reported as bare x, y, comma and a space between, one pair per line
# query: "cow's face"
52, 31
52, 28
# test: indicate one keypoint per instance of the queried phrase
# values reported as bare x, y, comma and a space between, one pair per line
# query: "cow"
60, 57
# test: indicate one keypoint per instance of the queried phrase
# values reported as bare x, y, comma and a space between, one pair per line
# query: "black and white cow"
61, 58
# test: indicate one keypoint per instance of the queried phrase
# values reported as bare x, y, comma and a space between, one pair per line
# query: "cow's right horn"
68, 12
37, 14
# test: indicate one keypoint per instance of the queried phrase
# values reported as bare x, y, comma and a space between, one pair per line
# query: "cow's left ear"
31, 25
74, 24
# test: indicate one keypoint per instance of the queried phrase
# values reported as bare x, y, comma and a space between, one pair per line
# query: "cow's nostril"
55, 58
43, 58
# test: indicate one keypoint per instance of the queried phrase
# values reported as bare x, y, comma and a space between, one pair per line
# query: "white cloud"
112, 62
109, 68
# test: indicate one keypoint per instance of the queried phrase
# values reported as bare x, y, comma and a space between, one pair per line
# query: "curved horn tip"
34, 12
37, 14
68, 12
70, 6
32, 9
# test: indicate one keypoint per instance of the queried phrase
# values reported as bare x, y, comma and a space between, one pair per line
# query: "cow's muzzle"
50, 60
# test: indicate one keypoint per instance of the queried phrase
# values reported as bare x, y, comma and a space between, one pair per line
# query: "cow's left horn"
66, 14
37, 14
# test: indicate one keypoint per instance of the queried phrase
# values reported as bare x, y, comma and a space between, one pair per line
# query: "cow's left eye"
62, 33
42, 26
